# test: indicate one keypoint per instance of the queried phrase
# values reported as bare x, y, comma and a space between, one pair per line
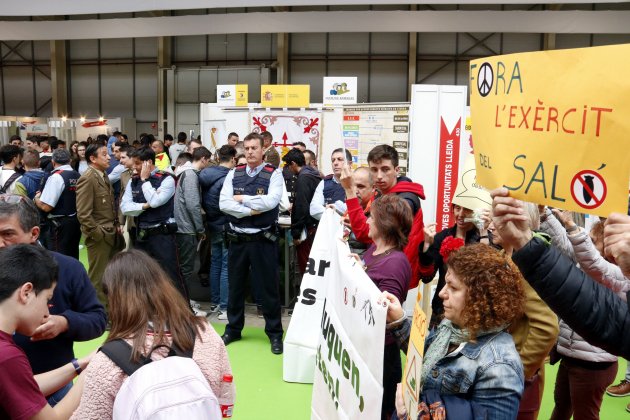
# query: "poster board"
366, 126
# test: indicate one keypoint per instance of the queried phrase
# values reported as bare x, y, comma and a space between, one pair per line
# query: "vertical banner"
351, 338
555, 137
437, 115
415, 354
448, 162
287, 127
300, 343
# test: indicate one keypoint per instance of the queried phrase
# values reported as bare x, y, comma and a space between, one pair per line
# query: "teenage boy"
24, 296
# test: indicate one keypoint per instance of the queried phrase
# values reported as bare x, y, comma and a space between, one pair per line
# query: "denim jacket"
487, 372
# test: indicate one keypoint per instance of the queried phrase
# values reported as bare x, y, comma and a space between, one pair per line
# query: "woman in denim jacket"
470, 356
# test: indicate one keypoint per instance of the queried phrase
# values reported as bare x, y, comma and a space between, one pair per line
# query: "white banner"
300, 343
349, 359
288, 127
340, 90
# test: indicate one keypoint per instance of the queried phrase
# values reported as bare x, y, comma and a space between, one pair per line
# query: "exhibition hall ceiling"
74, 7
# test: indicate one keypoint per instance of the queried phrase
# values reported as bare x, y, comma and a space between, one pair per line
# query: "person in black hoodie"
593, 311
303, 225
211, 181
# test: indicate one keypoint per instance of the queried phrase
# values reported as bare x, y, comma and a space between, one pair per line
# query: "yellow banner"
415, 354
241, 95
553, 127
285, 96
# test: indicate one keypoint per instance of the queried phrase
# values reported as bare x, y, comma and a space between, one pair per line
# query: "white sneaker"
194, 304
222, 316
199, 312
214, 308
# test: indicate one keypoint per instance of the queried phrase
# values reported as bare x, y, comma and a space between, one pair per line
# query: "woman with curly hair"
470, 358
387, 265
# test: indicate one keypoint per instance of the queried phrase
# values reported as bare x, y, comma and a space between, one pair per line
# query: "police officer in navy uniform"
149, 197
250, 197
329, 190
59, 200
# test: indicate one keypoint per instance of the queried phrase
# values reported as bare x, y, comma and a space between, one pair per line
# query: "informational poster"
367, 126
415, 355
285, 96
551, 126
340, 90
232, 95
288, 127
300, 344
351, 336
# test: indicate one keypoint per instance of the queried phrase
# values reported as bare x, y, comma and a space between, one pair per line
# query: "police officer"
250, 197
149, 197
329, 190
59, 200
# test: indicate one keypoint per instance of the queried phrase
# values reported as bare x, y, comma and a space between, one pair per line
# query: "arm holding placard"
592, 310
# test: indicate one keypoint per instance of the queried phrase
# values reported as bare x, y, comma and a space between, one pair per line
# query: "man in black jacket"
211, 181
303, 225
592, 310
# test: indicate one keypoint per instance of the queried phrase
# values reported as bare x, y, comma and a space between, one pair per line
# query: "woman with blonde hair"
146, 311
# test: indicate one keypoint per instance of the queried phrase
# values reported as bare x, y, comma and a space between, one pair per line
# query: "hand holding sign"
510, 219
617, 241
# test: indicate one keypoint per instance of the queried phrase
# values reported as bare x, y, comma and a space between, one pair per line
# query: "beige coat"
96, 209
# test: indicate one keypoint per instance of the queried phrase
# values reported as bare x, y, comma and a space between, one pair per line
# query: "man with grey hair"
58, 199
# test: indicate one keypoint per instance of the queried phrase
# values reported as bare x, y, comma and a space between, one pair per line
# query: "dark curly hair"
393, 218
495, 287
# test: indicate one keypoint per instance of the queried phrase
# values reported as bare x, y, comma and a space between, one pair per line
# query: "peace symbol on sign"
485, 79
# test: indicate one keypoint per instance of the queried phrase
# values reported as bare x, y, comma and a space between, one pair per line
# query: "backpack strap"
10, 181
119, 351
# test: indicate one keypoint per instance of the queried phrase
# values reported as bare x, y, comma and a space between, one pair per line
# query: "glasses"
11, 198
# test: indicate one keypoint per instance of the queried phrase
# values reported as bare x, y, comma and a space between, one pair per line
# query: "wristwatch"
77, 366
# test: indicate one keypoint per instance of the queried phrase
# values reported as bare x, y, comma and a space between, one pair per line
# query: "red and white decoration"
289, 127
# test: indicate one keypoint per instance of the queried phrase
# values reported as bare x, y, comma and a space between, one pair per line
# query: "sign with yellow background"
411, 383
285, 96
554, 127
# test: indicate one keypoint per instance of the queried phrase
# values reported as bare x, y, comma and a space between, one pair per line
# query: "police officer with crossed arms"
250, 197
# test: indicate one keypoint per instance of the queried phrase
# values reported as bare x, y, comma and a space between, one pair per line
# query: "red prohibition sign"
579, 180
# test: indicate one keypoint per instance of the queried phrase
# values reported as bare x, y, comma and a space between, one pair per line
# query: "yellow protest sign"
413, 366
285, 96
553, 126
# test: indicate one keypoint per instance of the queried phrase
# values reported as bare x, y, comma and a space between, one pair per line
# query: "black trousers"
260, 258
65, 235
392, 375
163, 249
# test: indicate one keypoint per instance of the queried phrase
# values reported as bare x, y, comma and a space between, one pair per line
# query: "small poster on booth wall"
340, 90
232, 95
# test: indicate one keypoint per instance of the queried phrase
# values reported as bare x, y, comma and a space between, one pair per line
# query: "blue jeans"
219, 271
54, 399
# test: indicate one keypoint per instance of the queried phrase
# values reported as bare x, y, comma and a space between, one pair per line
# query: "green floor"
261, 393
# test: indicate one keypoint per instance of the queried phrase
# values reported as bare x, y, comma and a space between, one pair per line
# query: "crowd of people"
518, 285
